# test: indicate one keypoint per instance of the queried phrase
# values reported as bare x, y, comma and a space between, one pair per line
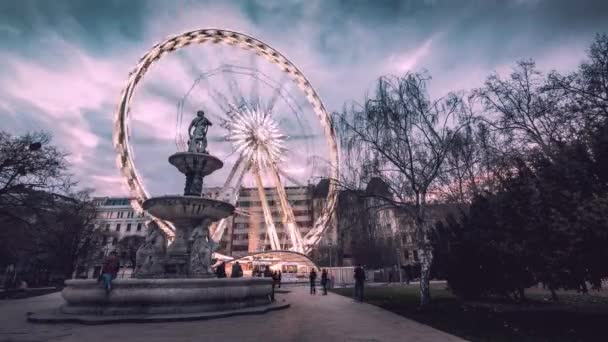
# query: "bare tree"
526, 111
42, 217
66, 233
587, 88
473, 163
29, 164
403, 138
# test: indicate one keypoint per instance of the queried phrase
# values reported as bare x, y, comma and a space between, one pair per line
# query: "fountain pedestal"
189, 256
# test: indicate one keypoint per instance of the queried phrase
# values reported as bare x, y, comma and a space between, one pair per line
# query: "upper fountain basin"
189, 162
176, 208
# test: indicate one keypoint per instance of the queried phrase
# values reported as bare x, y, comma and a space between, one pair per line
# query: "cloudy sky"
64, 64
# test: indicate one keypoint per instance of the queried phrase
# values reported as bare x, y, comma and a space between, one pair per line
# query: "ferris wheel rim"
125, 160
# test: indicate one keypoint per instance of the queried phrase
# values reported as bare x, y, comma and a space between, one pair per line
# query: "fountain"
174, 283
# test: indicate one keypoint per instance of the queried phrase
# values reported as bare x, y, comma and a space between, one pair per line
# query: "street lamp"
330, 250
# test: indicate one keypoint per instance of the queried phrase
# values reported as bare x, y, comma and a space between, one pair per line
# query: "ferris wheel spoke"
233, 88
290, 178
254, 91
277, 92
288, 218
271, 230
241, 166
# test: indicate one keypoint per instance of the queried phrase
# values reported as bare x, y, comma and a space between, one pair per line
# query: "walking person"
109, 271
324, 281
275, 280
279, 278
359, 281
313, 280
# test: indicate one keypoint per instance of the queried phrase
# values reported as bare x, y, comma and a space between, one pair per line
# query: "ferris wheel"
258, 133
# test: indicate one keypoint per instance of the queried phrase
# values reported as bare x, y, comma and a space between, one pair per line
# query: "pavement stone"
309, 318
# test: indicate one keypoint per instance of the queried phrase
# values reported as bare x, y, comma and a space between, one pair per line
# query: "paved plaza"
310, 318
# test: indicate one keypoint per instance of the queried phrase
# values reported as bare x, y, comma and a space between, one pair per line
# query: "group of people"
237, 270
359, 275
325, 281
313, 281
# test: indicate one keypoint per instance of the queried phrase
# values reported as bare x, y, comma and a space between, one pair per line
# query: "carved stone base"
164, 296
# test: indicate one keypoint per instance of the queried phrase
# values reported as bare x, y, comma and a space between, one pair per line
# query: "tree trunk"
426, 257
553, 294
426, 253
399, 253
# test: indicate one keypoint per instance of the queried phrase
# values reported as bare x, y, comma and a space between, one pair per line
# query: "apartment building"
248, 233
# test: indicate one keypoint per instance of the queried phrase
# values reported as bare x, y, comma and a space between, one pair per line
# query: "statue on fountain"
197, 133
200, 251
151, 254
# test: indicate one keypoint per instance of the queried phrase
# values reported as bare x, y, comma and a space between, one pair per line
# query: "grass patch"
576, 318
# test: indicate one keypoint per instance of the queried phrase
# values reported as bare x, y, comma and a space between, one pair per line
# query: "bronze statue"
197, 132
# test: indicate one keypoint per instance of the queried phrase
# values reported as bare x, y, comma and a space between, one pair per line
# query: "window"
130, 214
406, 254
120, 214
128, 227
104, 241
114, 241
107, 227
415, 255
110, 213
139, 227
118, 227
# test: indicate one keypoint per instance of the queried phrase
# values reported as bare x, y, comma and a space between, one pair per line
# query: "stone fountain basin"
187, 208
187, 162
164, 296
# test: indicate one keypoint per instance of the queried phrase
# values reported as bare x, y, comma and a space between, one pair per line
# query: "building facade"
115, 220
247, 232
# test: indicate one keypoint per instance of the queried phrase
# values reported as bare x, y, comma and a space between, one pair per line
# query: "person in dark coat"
359, 282
279, 279
324, 281
109, 271
237, 271
275, 280
313, 281
220, 271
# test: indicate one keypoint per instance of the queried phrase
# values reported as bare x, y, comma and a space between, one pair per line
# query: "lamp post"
330, 244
